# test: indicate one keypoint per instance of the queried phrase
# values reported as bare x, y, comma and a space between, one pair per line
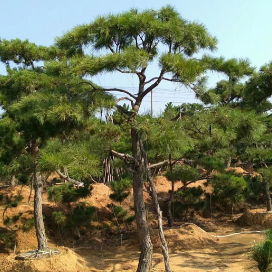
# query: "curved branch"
108, 90
125, 98
127, 72
154, 85
164, 78
125, 157
78, 183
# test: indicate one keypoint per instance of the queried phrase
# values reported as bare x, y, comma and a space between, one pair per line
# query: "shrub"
261, 253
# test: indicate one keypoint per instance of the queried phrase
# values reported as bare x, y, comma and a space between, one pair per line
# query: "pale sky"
243, 29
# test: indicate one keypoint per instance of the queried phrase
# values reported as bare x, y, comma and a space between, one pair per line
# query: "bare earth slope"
191, 248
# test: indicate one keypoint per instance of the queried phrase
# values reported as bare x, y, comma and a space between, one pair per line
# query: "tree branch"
69, 179
136, 42
158, 164
125, 98
154, 85
108, 90
164, 78
127, 72
111, 49
125, 157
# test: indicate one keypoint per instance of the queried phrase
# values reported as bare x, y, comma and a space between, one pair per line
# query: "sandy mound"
67, 261
255, 218
184, 237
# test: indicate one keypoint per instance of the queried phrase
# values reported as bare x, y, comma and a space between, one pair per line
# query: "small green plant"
262, 253
67, 193
60, 218
28, 225
229, 189
121, 214
8, 238
119, 189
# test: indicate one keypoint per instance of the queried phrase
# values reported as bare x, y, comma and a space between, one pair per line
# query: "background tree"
186, 175
40, 102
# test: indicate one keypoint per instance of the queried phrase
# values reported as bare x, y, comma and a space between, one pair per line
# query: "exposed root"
36, 254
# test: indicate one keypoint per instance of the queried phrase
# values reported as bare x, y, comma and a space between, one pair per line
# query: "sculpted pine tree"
128, 43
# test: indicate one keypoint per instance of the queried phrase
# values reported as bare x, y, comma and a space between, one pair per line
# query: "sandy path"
227, 254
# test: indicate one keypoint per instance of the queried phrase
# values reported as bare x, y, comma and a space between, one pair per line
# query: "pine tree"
130, 42
42, 102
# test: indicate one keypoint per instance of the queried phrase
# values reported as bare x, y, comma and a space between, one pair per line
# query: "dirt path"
226, 254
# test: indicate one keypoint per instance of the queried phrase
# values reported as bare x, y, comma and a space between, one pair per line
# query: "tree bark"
145, 260
268, 197
169, 214
169, 206
38, 215
12, 181
158, 212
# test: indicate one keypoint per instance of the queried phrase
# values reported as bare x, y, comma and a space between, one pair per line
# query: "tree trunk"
169, 206
268, 197
38, 215
169, 214
158, 212
12, 181
31, 188
145, 260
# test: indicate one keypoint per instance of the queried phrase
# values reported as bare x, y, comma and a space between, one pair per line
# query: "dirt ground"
190, 247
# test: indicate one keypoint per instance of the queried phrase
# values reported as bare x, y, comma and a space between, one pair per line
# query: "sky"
242, 27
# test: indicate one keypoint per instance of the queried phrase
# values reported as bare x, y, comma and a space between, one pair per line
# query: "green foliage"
28, 225
12, 201
184, 173
119, 31
78, 157
119, 211
255, 187
24, 179
228, 91
162, 137
67, 193
188, 199
129, 218
119, 189
268, 234
266, 174
16, 217
258, 90
261, 253
82, 215
211, 163
228, 189
121, 214
8, 238
60, 218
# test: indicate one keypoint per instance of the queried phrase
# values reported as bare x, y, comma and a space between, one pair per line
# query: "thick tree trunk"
38, 215
268, 197
145, 261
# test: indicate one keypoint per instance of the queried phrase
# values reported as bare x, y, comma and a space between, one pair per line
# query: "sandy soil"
191, 248
225, 254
